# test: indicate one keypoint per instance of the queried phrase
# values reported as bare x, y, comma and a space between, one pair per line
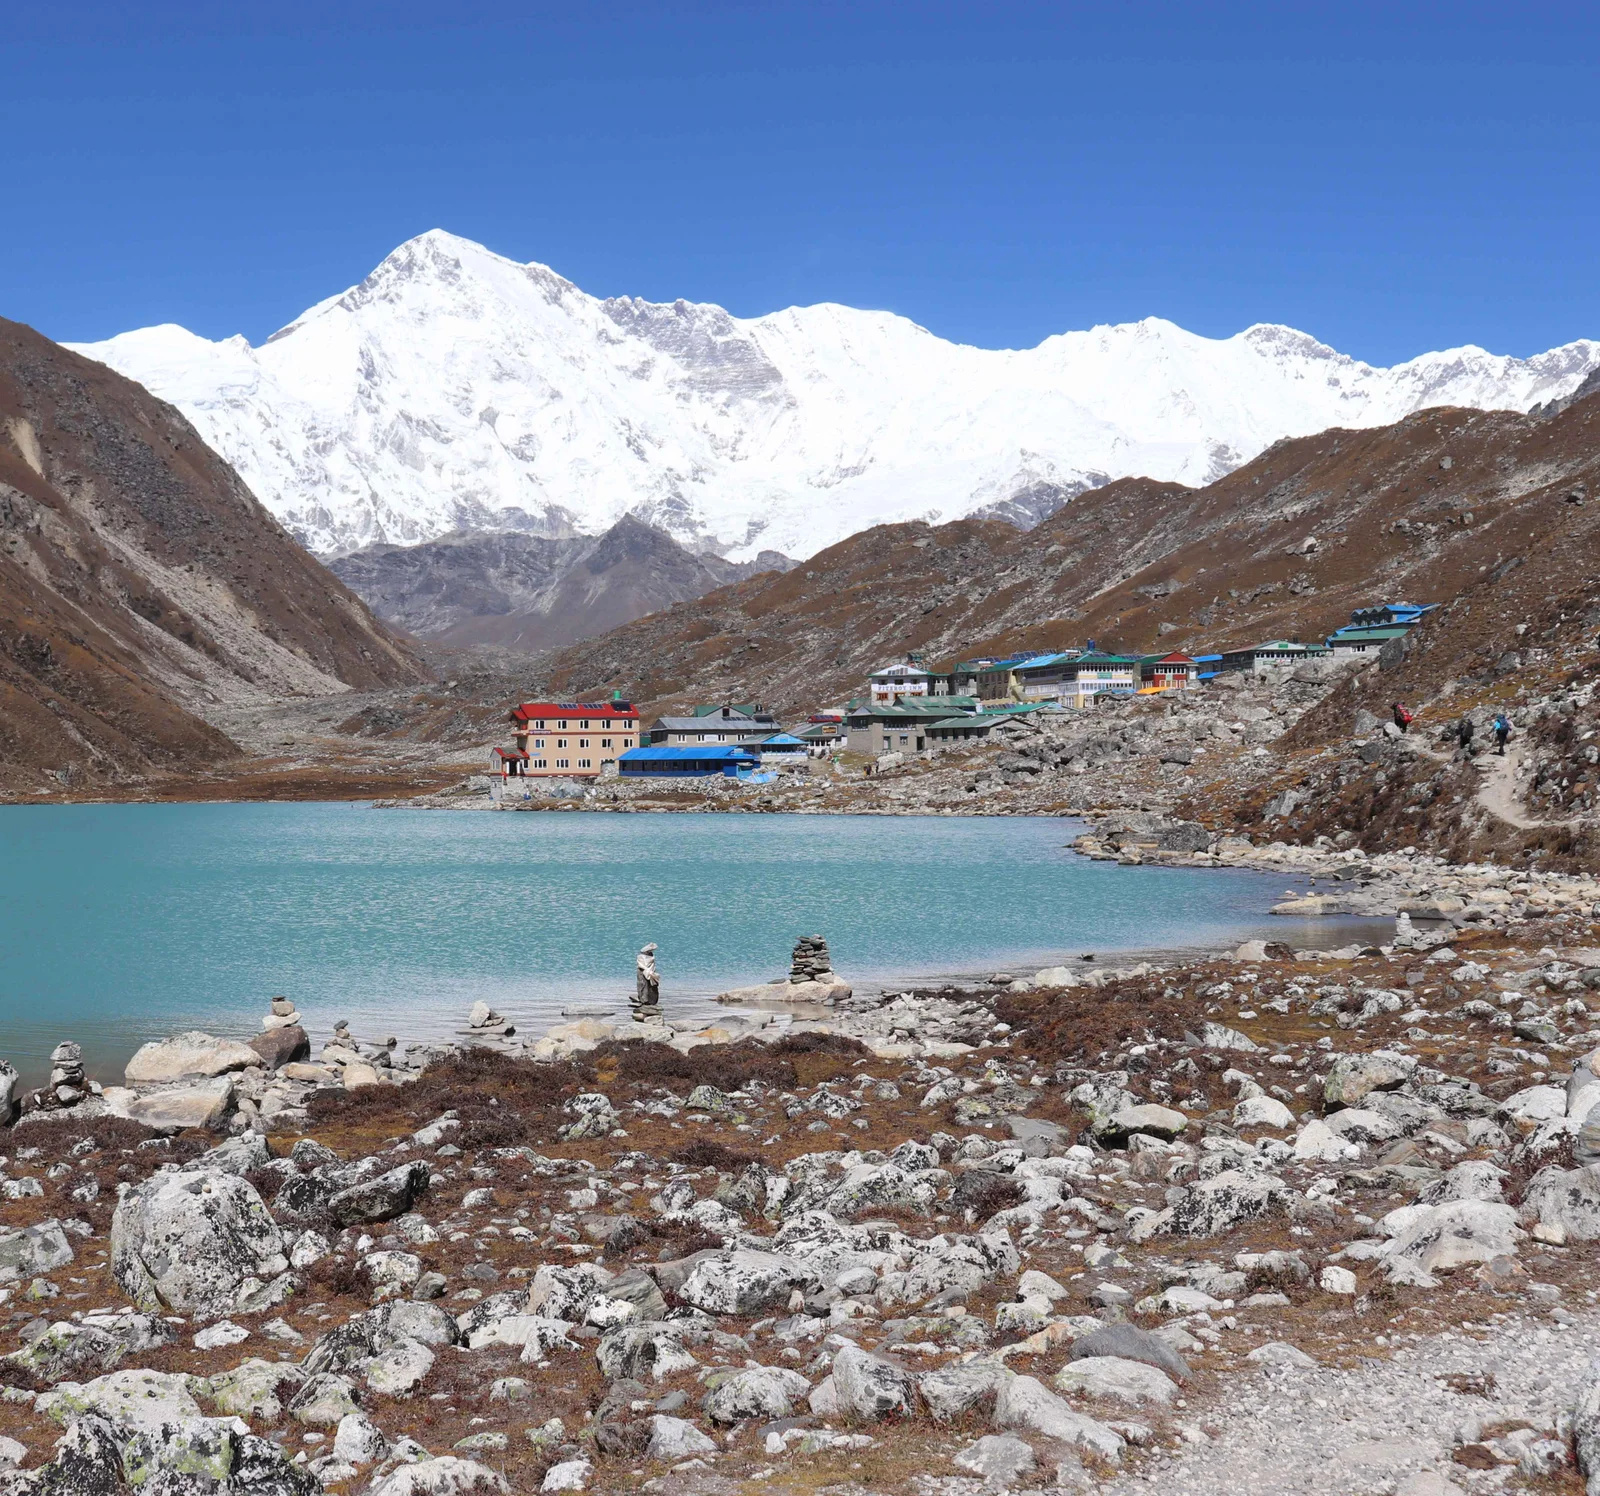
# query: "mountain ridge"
532, 592
142, 585
455, 389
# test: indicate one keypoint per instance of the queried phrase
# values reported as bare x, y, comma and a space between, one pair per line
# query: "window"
584, 763
605, 742
539, 744
561, 763
561, 742
539, 763
583, 742
563, 726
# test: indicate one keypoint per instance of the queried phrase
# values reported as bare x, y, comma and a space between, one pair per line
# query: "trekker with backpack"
1502, 731
1403, 716
1464, 732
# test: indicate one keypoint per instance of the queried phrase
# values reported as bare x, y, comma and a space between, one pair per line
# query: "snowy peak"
456, 390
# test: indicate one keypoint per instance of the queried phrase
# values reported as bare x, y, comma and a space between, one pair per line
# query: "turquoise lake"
119, 923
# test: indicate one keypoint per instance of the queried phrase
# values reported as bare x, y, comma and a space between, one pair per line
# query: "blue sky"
1390, 178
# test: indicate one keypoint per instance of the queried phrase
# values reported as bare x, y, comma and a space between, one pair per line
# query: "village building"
1275, 654
1168, 672
781, 748
1349, 641
1370, 629
723, 724
1387, 614
894, 683
875, 730
575, 739
1076, 678
697, 762
993, 680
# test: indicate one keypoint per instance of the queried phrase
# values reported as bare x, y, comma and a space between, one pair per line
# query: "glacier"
457, 390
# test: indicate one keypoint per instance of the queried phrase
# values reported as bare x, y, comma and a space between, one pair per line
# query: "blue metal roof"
723, 754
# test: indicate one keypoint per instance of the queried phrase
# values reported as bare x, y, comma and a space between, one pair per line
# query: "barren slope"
1446, 503
140, 582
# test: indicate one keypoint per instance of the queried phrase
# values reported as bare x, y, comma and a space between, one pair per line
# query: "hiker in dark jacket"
1464, 731
1502, 731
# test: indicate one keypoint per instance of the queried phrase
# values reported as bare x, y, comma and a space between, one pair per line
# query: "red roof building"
574, 739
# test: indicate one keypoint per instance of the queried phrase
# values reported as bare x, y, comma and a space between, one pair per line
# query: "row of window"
549, 724
583, 743
561, 763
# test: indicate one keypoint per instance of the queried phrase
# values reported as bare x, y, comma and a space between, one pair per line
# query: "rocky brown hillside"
533, 592
141, 583
1446, 504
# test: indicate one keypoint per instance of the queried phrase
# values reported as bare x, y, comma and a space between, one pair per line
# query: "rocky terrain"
142, 585
1082, 1229
533, 592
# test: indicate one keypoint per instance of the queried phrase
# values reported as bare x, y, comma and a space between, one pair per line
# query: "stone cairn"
68, 1086
811, 961
283, 1014
67, 1078
646, 987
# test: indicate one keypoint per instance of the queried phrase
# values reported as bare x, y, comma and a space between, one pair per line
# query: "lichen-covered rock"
1211, 1206
126, 1399
1149, 1120
962, 1387
765, 1392
349, 1346
68, 1351
1116, 1379
1444, 1237
381, 1198
948, 1262
874, 1187
88, 1462
643, 1350
1567, 1198
746, 1283
256, 1389
1356, 1076
871, 1387
189, 1241
1026, 1403
446, 1475
32, 1251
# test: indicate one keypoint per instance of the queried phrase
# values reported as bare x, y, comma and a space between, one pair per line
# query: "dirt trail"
1388, 1423
1498, 792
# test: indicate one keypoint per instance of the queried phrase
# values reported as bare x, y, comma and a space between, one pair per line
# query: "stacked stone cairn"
283, 1014
68, 1086
811, 961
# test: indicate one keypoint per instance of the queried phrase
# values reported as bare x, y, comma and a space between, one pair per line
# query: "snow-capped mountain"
454, 389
